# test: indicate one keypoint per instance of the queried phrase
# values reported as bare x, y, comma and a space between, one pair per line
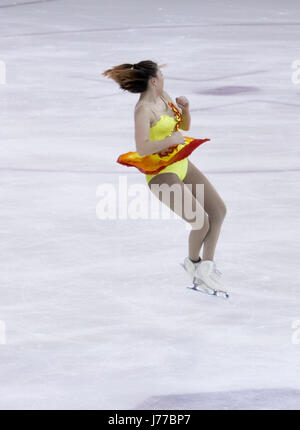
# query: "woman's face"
160, 80
157, 81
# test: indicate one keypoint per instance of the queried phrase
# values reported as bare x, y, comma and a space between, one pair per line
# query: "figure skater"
162, 150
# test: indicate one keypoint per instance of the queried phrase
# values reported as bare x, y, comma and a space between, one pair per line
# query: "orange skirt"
154, 163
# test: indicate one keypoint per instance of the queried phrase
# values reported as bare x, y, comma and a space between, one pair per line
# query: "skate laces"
211, 272
216, 271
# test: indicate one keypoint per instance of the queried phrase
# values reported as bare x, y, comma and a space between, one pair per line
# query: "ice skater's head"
143, 77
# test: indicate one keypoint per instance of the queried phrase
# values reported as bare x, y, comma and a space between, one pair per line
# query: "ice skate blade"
204, 289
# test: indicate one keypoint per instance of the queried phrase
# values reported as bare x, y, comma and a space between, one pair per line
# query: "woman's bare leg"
200, 223
213, 205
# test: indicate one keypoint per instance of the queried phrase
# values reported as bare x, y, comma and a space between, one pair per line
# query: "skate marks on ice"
229, 90
253, 101
264, 399
24, 3
156, 27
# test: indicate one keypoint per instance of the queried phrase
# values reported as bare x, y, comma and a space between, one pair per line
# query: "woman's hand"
167, 151
176, 139
182, 102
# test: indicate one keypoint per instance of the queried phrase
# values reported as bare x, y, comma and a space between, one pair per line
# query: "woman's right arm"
144, 146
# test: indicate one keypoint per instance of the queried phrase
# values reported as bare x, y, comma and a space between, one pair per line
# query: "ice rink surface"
95, 313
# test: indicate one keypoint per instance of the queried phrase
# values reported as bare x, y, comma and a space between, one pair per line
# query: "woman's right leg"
213, 205
178, 197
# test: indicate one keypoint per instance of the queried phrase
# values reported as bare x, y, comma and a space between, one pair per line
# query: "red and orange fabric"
154, 163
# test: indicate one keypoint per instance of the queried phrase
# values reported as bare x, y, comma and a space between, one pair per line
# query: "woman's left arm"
183, 105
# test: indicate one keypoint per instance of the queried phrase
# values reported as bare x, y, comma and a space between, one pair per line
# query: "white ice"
97, 314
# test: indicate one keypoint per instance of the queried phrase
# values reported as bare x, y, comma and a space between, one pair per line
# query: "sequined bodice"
166, 125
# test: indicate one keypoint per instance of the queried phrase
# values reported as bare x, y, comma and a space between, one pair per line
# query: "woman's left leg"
213, 206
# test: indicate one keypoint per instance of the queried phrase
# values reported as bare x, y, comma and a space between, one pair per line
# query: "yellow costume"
163, 128
176, 159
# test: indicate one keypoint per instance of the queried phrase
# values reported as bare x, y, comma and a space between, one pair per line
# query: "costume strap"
178, 116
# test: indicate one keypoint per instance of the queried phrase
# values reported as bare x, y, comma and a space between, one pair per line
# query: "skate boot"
207, 279
190, 267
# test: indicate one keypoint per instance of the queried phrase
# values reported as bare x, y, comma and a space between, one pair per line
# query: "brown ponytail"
133, 77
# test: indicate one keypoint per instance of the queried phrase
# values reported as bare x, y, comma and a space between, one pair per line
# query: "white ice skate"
190, 267
206, 277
